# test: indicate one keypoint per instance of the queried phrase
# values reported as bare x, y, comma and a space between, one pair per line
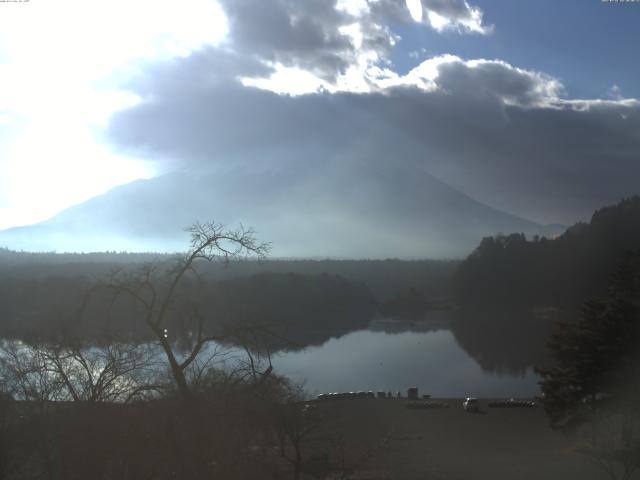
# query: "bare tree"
156, 291
26, 373
117, 372
64, 394
43, 373
612, 446
294, 426
8, 442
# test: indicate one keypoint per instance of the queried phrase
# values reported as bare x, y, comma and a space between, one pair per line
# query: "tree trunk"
176, 371
298, 462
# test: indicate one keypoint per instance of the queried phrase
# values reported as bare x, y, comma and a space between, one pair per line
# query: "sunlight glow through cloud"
289, 81
415, 9
437, 21
62, 68
473, 24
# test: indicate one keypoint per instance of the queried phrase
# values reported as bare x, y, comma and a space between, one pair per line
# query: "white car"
470, 404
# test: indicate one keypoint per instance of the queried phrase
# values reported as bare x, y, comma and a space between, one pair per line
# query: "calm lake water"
391, 360
374, 360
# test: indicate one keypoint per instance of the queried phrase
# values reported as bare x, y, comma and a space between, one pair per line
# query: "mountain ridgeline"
511, 271
358, 209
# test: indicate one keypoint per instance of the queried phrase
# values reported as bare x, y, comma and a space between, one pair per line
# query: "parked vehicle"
471, 404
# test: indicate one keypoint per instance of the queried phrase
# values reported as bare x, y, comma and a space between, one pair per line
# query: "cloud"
415, 9
484, 78
322, 38
441, 15
504, 135
615, 93
335, 43
455, 15
291, 33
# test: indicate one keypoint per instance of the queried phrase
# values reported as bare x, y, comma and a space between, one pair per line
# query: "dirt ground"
449, 443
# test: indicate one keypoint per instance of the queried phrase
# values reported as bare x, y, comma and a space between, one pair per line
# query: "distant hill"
351, 209
513, 271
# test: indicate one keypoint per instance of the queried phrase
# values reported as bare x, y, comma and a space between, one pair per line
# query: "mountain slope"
563, 272
342, 209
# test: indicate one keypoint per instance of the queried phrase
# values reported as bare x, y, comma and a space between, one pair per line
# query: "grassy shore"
396, 442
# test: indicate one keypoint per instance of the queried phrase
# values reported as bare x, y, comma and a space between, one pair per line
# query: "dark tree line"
298, 310
384, 278
513, 271
511, 289
303, 308
311, 299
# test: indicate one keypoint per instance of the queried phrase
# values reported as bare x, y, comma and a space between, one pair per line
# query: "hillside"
564, 272
349, 209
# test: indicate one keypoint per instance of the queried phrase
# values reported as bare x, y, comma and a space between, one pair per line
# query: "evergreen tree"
594, 381
596, 364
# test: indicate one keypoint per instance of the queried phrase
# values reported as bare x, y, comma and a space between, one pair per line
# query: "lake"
377, 360
394, 358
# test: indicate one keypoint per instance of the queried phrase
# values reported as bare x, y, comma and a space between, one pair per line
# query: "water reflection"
502, 341
451, 354
376, 360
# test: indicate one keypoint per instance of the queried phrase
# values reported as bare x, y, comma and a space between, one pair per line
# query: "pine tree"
595, 358
595, 378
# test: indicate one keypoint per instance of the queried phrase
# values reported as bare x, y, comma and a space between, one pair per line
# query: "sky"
530, 107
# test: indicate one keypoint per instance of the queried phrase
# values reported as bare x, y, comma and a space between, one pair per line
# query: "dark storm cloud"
213, 114
303, 34
311, 34
500, 134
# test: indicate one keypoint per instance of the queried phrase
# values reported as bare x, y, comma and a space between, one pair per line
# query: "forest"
310, 300
511, 271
